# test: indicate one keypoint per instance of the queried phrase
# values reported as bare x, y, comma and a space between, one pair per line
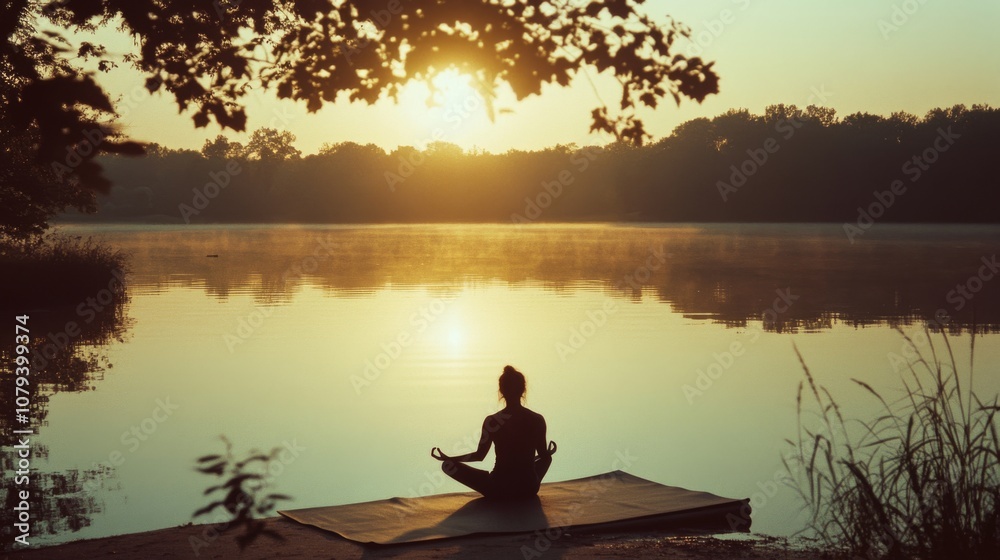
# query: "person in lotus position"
522, 458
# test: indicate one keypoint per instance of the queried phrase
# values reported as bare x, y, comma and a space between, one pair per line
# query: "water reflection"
725, 273
67, 350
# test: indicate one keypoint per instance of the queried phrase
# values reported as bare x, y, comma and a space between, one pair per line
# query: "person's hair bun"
512, 384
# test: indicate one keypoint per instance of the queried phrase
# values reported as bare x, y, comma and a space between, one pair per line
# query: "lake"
662, 350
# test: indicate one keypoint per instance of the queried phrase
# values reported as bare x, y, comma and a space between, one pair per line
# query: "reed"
920, 480
54, 269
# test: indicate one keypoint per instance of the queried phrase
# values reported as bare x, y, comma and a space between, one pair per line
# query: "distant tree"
155, 149
942, 117
863, 121
269, 144
350, 149
735, 127
825, 116
444, 149
208, 55
902, 125
222, 148
697, 132
781, 112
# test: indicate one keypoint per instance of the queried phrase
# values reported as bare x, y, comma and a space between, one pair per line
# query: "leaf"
284, 90
216, 469
253, 458
207, 508
153, 84
200, 120
593, 9
239, 479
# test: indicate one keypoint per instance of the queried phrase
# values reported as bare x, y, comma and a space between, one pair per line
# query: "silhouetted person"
522, 458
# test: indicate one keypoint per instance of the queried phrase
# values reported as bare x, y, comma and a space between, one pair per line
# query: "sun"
448, 108
453, 89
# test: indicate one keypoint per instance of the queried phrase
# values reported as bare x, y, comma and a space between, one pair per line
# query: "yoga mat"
615, 500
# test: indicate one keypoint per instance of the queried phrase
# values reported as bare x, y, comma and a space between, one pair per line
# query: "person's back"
520, 434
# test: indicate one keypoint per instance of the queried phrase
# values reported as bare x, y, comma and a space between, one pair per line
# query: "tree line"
786, 165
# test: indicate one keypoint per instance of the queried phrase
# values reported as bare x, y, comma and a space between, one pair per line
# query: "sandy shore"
305, 542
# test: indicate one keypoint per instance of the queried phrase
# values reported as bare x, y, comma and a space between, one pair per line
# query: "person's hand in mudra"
440, 456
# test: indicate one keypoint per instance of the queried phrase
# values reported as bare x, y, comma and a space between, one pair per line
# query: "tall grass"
920, 480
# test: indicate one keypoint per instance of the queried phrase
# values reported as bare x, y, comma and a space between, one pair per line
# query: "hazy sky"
877, 56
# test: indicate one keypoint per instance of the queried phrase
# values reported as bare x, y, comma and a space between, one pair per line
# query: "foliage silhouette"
208, 55
243, 491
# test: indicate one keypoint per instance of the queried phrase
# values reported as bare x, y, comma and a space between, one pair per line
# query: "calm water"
363, 347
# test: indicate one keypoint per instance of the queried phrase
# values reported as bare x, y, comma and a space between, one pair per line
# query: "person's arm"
485, 440
540, 447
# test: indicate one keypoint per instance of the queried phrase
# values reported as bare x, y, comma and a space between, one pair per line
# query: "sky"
875, 56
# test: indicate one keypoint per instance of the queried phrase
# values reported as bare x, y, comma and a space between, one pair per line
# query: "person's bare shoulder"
496, 419
535, 417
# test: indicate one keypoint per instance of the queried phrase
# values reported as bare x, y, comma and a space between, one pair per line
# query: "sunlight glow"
449, 109
454, 335
456, 339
